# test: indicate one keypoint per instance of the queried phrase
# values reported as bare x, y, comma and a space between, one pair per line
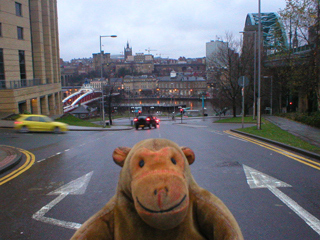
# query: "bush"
311, 119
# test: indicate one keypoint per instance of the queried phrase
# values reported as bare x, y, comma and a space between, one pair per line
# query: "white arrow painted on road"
75, 187
258, 179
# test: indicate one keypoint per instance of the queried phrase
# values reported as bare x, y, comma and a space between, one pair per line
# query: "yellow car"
38, 123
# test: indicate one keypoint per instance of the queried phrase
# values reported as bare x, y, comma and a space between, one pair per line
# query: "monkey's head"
156, 176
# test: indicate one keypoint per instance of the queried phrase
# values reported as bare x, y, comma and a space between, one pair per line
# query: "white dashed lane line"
58, 153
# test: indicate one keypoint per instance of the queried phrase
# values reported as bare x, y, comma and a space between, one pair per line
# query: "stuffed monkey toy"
157, 198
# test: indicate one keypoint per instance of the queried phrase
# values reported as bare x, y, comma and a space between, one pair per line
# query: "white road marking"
258, 179
216, 132
237, 139
75, 187
193, 126
97, 139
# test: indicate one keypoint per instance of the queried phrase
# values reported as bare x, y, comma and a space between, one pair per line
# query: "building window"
2, 77
1, 65
22, 64
20, 32
18, 9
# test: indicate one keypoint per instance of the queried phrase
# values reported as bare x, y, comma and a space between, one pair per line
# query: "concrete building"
214, 47
29, 57
215, 58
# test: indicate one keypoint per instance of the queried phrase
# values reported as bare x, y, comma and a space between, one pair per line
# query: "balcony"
23, 83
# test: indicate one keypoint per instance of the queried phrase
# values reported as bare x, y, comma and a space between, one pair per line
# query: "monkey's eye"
141, 163
173, 161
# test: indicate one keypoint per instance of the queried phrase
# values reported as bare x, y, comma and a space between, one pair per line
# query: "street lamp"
102, 96
112, 36
259, 68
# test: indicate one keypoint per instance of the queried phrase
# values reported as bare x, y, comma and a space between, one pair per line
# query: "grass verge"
270, 131
74, 121
236, 120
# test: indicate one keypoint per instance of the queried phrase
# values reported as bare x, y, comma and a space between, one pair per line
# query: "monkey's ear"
120, 154
189, 154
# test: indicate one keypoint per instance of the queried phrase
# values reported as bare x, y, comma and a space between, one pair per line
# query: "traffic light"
290, 103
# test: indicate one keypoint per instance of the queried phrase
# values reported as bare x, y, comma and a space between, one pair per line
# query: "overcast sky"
173, 28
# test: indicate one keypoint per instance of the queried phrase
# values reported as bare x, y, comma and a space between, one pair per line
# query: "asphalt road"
283, 201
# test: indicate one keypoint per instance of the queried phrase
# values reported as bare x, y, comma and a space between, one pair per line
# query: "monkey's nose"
161, 194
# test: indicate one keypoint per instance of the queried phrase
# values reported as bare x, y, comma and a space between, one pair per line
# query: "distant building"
133, 67
164, 69
29, 57
140, 85
215, 52
67, 72
127, 51
117, 84
101, 57
214, 47
98, 85
180, 85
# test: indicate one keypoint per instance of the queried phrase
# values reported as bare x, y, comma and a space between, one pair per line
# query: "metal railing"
16, 84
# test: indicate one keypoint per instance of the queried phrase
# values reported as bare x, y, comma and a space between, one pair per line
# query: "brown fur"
157, 198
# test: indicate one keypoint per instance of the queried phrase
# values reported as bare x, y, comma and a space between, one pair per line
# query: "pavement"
9, 156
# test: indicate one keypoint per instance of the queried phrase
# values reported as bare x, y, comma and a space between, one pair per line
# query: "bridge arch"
274, 35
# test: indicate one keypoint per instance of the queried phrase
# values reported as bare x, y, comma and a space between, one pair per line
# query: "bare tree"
225, 63
301, 20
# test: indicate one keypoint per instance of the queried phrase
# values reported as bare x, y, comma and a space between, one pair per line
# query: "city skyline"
168, 29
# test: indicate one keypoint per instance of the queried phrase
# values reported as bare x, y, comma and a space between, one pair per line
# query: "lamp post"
102, 96
259, 68
255, 75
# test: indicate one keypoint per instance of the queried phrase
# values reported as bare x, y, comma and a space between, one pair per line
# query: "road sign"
243, 79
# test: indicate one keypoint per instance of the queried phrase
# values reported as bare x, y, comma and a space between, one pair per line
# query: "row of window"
181, 85
22, 62
22, 65
19, 29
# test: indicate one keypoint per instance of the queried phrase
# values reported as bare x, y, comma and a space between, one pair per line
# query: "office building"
30, 79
